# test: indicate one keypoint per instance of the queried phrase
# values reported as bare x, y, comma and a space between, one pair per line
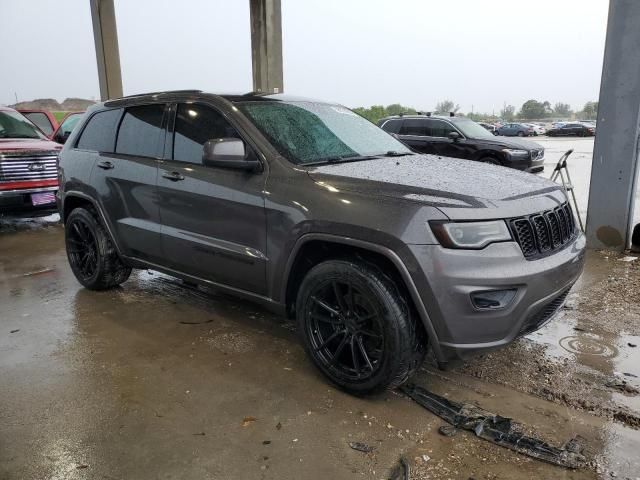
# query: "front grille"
25, 167
537, 154
545, 232
545, 314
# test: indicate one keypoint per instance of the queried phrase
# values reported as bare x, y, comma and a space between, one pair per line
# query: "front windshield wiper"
342, 159
393, 153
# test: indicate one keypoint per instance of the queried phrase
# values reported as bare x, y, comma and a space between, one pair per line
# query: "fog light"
492, 299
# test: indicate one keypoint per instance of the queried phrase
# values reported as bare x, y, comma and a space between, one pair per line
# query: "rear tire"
358, 327
91, 253
521, 134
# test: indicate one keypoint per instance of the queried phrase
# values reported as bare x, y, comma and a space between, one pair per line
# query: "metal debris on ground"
401, 471
622, 386
447, 430
495, 428
37, 272
361, 447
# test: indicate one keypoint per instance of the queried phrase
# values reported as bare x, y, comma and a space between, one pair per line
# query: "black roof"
231, 97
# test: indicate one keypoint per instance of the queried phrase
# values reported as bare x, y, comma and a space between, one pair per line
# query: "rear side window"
392, 126
99, 135
41, 121
141, 133
417, 127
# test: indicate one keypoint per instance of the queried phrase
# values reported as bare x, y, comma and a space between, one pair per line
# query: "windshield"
16, 125
471, 129
309, 132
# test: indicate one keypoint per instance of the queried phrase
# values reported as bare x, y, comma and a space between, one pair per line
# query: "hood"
450, 184
511, 142
17, 145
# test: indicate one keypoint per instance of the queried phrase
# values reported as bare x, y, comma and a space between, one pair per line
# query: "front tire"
91, 254
358, 327
490, 161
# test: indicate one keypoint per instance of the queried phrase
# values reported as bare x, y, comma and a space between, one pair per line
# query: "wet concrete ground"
159, 380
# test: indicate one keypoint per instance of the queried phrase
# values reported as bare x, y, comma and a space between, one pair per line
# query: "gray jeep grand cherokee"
316, 213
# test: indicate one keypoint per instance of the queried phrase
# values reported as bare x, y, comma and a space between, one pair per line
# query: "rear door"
415, 133
213, 218
125, 180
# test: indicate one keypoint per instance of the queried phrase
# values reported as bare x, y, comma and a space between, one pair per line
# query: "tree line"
530, 110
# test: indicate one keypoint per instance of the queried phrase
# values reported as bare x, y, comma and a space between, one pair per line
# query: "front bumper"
18, 202
526, 164
450, 276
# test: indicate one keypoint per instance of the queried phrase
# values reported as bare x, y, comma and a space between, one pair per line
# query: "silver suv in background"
315, 213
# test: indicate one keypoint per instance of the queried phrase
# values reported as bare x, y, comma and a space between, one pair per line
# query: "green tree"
589, 111
446, 106
508, 113
562, 109
377, 112
373, 113
533, 109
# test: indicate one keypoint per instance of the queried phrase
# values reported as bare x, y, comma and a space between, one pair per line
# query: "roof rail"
151, 93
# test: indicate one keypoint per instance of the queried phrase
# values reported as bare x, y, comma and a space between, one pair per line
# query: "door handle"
105, 165
173, 176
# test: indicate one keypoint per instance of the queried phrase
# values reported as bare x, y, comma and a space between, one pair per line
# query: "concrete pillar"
614, 170
105, 36
266, 46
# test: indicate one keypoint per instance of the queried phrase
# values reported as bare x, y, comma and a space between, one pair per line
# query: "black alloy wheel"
82, 248
92, 256
358, 326
345, 330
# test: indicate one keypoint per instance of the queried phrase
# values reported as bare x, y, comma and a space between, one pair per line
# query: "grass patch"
59, 115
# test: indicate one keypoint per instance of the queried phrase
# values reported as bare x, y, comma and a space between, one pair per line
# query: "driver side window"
194, 125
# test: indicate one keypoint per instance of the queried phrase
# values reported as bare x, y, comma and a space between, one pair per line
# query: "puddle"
587, 344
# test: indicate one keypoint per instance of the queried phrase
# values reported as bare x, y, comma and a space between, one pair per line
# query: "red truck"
28, 166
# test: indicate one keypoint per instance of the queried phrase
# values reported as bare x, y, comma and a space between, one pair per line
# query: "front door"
213, 218
443, 145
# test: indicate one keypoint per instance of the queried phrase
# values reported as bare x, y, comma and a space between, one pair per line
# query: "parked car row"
29, 146
583, 128
460, 137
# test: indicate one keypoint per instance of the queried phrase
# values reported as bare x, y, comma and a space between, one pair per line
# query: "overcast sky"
479, 53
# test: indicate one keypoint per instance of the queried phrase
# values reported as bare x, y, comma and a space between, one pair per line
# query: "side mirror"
227, 153
454, 136
62, 137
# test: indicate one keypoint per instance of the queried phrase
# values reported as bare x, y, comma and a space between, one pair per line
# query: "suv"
316, 213
460, 137
28, 166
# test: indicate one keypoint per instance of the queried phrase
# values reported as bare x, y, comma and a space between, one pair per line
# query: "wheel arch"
73, 200
313, 248
490, 153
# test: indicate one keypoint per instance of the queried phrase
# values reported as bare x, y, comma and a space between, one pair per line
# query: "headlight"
514, 152
472, 235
